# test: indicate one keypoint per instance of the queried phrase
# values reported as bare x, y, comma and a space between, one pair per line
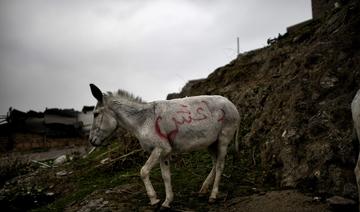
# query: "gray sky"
51, 50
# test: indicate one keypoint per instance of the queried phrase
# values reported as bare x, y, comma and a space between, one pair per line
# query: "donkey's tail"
237, 139
354, 136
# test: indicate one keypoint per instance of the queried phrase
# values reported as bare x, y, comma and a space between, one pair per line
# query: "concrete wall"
319, 9
322, 7
58, 119
294, 28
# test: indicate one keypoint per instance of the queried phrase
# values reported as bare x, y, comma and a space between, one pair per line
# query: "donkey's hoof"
212, 200
164, 209
154, 202
201, 194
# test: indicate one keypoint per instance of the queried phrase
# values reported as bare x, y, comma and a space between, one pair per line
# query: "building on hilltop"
322, 7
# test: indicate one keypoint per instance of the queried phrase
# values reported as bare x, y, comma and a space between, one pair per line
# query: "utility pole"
238, 46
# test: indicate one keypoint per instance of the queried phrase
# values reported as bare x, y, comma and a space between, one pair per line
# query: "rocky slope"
294, 99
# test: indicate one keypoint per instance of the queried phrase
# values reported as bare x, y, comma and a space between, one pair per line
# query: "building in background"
86, 118
52, 128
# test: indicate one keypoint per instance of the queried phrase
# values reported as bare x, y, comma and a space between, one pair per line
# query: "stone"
328, 82
103, 161
61, 173
60, 160
340, 201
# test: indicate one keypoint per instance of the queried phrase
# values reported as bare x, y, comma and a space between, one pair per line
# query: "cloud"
51, 50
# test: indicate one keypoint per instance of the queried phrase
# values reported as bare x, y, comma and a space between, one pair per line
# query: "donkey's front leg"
144, 173
357, 176
166, 175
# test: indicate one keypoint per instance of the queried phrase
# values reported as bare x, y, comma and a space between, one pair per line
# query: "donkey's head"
104, 124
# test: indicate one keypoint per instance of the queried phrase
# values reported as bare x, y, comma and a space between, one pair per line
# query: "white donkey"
355, 110
163, 127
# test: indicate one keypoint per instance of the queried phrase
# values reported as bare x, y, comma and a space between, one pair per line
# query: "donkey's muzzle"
93, 142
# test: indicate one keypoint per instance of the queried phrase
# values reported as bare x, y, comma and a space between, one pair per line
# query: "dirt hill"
294, 99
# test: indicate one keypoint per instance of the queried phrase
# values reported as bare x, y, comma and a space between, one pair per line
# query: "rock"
317, 199
261, 193
103, 161
62, 173
50, 194
60, 160
337, 5
288, 133
328, 82
340, 201
350, 190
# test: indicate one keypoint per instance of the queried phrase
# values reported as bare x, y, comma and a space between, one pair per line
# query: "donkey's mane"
125, 95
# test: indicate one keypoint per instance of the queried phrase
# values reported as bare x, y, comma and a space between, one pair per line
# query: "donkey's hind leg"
145, 171
210, 178
223, 142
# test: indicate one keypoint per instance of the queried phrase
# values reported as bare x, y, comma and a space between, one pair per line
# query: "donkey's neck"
132, 115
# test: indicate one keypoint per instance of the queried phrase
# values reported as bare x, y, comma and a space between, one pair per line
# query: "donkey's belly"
190, 139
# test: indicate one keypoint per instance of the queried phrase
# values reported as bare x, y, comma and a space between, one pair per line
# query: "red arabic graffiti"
221, 119
158, 130
186, 118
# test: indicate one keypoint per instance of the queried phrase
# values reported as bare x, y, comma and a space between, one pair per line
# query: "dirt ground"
280, 201
90, 184
46, 155
130, 197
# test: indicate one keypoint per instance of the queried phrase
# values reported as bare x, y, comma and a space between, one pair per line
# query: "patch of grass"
188, 171
11, 167
87, 178
84, 186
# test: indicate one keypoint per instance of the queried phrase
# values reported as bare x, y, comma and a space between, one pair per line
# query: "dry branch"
123, 157
41, 163
107, 152
126, 155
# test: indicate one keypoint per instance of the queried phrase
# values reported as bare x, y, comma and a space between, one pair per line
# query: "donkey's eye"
96, 115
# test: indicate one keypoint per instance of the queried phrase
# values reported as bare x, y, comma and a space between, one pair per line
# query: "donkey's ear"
96, 92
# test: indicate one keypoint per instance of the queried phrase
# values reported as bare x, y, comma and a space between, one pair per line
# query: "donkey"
355, 110
165, 127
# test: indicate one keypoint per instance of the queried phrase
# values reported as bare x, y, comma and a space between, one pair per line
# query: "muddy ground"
107, 181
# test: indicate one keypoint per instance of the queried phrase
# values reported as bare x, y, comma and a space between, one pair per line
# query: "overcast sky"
51, 50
